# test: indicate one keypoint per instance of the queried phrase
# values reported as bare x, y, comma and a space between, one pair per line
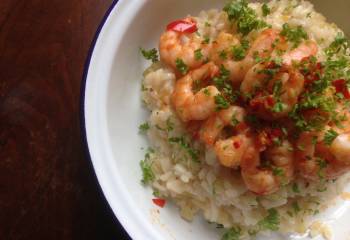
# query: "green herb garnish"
198, 54
278, 107
271, 221
276, 171
194, 153
253, 120
244, 16
150, 54
296, 207
206, 40
206, 92
221, 102
322, 164
144, 127
340, 44
169, 125
232, 234
265, 10
223, 83
234, 120
239, 52
181, 66
294, 35
329, 137
295, 188
146, 167
223, 55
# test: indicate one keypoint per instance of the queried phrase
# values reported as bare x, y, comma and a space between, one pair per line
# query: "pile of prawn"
264, 165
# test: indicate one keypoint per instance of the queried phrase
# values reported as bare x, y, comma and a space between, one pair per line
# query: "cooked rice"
206, 187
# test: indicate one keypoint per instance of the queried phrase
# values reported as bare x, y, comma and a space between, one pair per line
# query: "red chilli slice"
270, 101
276, 132
159, 202
183, 26
237, 144
340, 87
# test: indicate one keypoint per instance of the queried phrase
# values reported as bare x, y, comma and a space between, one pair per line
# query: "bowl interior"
113, 112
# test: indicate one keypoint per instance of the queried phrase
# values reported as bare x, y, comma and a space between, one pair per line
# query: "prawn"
317, 160
174, 46
212, 128
228, 151
272, 84
231, 151
267, 180
283, 89
200, 105
261, 47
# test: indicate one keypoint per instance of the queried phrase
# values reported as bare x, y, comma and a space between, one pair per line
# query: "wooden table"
48, 189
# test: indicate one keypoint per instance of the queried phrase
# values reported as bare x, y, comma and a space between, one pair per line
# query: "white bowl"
113, 111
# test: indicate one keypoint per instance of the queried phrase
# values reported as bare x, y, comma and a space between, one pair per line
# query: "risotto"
249, 116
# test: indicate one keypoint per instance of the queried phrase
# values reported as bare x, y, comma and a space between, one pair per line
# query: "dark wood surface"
48, 189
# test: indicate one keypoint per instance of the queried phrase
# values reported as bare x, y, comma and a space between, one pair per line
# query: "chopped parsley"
276, 171
181, 141
313, 100
294, 35
198, 54
277, 89
169, 125
278, 107
220, 81
206, 40
206, 92
223, 83
156, 193
144, 127
265, 10
221, 102
239, 52
146, 167
340, 44
234, 120
322, 164
272, 69
295, 188
244, 16
181, 66
259, 59
150, 54
253, 120
329, 137
296, 207
271, 221
223, 55
232, 234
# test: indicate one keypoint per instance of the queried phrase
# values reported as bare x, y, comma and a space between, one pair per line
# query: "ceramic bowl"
112, 111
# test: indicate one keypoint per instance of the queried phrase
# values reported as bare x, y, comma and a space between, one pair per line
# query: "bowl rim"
83, 129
